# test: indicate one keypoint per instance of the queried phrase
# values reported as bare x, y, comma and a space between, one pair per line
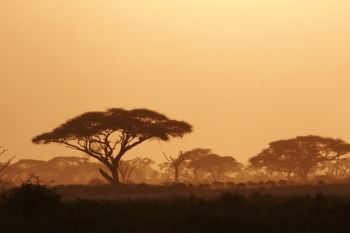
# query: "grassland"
155, 192
178, 209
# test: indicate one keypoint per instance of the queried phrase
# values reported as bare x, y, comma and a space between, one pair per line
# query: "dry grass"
154, 192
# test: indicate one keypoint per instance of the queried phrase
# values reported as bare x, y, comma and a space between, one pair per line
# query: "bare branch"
167, 158
7, 163
2, 151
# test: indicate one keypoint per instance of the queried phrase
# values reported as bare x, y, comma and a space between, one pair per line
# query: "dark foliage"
299, 156
30, 199
107, 136
231, 212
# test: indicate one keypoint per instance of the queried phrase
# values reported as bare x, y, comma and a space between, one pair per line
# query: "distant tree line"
200, 165
108, 136
73, 170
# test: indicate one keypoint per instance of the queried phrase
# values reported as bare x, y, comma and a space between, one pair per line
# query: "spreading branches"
175, 163
107, 136
300, 155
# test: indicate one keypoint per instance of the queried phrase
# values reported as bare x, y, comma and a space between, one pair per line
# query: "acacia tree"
201, 163
108, 135
186, 164
216, 165
175, 163
300, 155
191, 168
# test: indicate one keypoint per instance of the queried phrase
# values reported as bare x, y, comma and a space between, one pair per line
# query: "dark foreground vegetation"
37, 208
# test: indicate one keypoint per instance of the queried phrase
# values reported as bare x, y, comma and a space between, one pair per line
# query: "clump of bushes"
30, 199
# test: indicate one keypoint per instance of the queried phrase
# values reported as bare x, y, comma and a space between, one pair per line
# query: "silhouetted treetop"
300, 155
139, 123
100, 134
197, 153
198, 164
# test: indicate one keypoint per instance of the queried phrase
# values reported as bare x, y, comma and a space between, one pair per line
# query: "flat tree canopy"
300, 155
107, 136
216, 165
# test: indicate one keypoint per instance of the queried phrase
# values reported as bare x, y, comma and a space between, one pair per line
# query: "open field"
154, 192
144, 208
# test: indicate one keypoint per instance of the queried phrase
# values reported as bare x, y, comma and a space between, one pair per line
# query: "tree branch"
6, 164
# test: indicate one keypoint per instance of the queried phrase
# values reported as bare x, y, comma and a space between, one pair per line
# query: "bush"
232, 197
31, 199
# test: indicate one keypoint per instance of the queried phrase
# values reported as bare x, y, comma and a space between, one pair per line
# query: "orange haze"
242, 72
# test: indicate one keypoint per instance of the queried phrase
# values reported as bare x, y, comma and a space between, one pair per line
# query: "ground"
178, 209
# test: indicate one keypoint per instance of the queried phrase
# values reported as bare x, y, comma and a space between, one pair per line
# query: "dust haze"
174, 116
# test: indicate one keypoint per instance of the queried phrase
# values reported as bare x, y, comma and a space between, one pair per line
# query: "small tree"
175, 163
300, 155
107, 136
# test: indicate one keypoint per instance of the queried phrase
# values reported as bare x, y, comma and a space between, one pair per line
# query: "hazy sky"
242, 72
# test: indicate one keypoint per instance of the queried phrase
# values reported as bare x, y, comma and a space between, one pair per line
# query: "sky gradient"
242, 72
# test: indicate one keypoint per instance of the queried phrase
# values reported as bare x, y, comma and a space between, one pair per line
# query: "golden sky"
242, 72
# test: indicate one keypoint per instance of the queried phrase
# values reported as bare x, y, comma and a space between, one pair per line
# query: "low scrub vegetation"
37, 208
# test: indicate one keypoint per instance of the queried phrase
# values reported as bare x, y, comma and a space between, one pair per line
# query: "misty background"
243, 73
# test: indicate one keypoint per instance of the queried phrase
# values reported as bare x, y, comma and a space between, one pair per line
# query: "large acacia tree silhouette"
107, 136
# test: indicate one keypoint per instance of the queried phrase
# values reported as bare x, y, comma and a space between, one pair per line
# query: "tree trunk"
129, 174
219, 176
176, 174
113, 179
115, 175
213, 174
304, 176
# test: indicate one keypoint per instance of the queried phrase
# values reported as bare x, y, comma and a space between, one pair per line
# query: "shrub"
218, 184
232, 197
96, 182
283, 182
270, 183
230, 184
241, 185
31, 199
